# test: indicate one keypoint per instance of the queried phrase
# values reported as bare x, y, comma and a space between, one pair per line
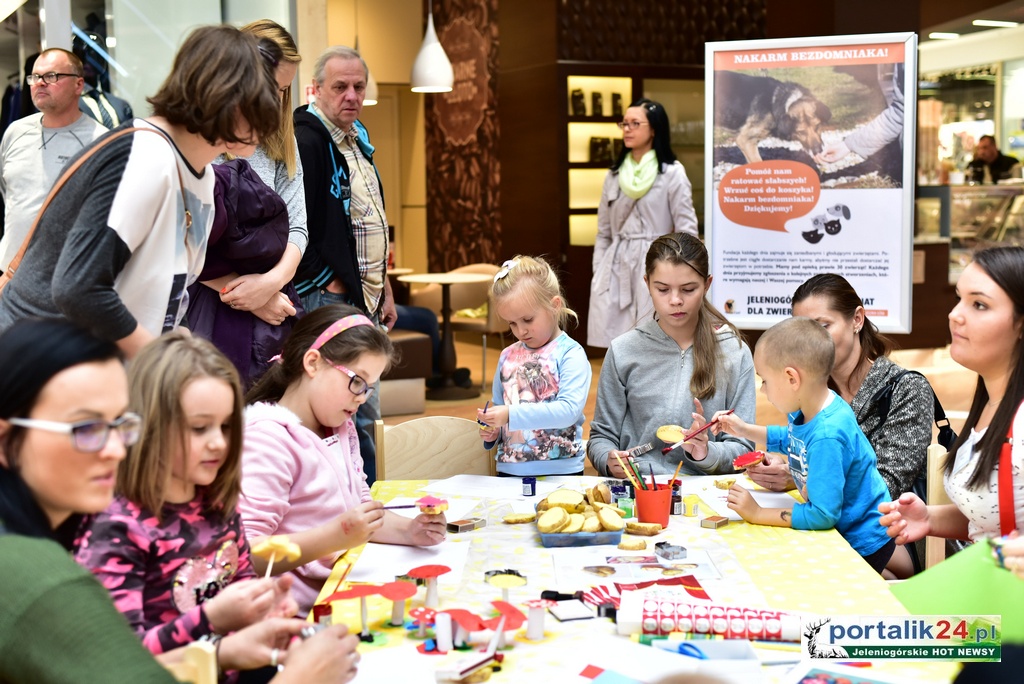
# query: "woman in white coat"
646, 194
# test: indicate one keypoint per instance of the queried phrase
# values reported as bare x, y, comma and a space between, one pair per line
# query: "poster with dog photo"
811, 149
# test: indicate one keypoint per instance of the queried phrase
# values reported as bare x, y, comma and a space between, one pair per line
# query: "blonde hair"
799, 343
679, 249
157, 377
536, 281
280, 146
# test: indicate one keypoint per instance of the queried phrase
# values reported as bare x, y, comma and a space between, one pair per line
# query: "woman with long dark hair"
646, 194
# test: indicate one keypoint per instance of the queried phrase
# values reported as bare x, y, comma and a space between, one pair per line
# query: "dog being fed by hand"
758, 107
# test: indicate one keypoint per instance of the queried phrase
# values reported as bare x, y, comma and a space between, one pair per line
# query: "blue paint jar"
529, 486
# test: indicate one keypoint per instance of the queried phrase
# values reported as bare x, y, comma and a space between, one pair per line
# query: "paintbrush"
687, 438
393, 508
676, 474
624, 468
654, 485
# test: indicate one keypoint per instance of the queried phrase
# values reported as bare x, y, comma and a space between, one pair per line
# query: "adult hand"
906, 519
358, 524
614, 468
328, 656
276, 310
241, 604
832, 153
388, 312
697, 446
772, 473
249, 292
254, 646
428, 530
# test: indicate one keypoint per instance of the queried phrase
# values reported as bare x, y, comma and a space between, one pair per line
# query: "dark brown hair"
343, 348
218, 83
684, 249
844, 300
1005, 266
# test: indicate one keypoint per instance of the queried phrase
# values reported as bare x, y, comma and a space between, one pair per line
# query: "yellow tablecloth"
784, 569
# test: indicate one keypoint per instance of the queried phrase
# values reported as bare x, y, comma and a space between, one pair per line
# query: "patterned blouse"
159, 573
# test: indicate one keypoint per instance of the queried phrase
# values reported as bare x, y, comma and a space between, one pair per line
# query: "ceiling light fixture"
992, 23
432, 71
942, 35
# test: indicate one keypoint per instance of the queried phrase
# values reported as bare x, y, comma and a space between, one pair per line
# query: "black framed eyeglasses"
631, 125
48, 78
356, 385
88, 435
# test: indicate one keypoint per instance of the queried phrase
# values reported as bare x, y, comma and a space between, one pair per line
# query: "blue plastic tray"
557, 539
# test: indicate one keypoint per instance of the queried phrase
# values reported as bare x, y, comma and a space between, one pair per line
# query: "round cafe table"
447, 390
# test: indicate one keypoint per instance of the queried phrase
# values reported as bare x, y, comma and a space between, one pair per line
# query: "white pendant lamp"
370, 95
432, 71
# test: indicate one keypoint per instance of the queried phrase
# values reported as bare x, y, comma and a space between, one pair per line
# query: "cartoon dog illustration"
757, 107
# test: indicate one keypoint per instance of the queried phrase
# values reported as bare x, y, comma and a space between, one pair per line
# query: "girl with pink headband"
302, 474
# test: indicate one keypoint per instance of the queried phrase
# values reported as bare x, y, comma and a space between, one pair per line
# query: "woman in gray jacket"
646, 194
685, 363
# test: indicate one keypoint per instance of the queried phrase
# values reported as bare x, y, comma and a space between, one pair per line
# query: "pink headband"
340, 326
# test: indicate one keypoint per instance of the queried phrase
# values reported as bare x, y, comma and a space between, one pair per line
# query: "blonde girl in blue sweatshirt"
542, 380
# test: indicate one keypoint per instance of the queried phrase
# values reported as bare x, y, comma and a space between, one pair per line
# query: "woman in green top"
64, 425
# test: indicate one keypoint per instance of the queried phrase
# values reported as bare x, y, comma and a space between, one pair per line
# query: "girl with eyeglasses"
170, 548
64, 426
646, 194
303, 474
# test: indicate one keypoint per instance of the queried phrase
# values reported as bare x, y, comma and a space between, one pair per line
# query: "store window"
955, 109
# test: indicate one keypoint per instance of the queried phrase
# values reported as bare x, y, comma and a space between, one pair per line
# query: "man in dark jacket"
989, 164
346, 259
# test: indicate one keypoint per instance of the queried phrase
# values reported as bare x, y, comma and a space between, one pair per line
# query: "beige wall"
390, 33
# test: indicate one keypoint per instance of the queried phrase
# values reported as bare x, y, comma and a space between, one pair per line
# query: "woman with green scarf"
646, 194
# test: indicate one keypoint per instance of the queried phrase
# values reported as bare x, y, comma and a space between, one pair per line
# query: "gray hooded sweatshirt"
645, 383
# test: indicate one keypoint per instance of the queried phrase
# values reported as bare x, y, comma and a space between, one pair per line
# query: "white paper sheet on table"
486, 487
457, 508
569, 563
382, 562
646, 664
704, 487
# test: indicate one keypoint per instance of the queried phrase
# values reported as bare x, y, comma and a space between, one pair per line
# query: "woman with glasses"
646, 194
245, 302
302, 471
64, 426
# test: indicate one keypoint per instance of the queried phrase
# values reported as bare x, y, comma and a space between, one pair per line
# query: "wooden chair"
935, 547
431, 448
467, 296
197, 665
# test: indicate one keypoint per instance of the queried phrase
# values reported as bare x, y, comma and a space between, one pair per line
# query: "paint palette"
748, 459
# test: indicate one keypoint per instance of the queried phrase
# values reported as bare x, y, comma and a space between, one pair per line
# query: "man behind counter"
989, 164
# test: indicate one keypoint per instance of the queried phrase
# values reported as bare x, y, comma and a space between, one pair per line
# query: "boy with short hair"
830, 459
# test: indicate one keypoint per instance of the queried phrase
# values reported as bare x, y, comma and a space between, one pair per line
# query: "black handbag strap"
882, 400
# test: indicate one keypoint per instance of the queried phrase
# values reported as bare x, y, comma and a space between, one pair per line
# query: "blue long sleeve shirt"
545, 389
833, 457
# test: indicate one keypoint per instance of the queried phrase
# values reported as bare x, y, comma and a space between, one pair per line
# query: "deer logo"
816, 651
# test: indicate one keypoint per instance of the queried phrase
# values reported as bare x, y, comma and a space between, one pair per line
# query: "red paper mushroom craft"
465, 624
360, 591
398, 592
535, 620
430, 573
509, 618
424, 617
431, 505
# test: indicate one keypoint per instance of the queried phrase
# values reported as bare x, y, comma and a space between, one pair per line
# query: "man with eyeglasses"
36, 149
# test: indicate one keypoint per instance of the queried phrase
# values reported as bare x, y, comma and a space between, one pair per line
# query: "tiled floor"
953, 384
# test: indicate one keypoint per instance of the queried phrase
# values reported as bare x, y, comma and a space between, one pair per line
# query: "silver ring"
273, 657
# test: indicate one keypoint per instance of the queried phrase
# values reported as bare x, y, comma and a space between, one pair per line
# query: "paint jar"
677, 501
626, 504
529, 486
690, 502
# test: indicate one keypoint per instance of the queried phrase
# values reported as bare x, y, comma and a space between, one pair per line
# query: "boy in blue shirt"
830, 459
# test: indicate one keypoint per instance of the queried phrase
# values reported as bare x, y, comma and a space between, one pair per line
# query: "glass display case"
971, 216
